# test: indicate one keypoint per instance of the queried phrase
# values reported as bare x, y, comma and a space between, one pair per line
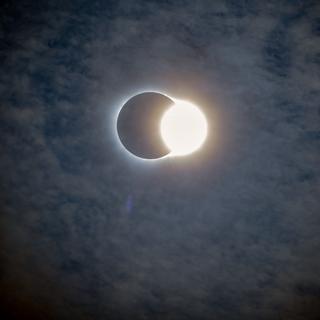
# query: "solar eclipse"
152, 125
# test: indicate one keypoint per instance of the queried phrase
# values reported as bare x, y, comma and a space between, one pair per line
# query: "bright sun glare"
183, 128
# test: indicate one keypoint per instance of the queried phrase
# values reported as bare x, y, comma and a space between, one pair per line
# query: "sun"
183, 128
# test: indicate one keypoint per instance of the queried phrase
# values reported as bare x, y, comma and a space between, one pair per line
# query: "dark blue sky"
231, 232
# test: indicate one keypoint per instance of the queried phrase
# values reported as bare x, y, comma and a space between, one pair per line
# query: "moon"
138, 125
152, 125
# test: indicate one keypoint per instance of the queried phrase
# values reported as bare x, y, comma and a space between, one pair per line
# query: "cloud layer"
229, 233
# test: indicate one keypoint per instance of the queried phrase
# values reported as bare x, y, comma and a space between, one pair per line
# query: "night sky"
230, 232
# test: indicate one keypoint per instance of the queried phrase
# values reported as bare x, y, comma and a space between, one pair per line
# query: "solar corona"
152, 125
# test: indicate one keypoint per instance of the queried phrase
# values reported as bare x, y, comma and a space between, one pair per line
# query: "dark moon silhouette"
138, 125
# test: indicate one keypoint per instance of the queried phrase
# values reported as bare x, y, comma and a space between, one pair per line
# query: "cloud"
229, 233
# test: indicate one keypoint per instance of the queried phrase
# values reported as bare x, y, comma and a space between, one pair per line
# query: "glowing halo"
182, 127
